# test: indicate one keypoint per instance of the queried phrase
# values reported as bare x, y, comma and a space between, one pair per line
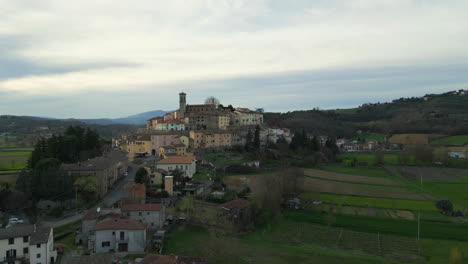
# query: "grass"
454, 191
369, 158
429, 229
13, 158
266, 245
452, 141
386, 203
360, 170
202, 176
369, 137
440, 251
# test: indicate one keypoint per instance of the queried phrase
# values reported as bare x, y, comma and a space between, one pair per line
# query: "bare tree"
212, 101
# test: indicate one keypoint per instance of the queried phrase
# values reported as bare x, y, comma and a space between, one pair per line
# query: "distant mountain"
138, 119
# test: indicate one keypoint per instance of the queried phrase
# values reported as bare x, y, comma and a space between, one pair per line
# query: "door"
123, 247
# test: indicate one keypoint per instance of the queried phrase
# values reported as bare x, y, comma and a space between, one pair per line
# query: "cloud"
62, 48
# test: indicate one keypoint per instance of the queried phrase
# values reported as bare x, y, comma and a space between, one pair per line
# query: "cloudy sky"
113, 58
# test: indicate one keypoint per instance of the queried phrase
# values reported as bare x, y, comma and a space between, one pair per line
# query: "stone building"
107, 169
153, 215
121, 234
183, 163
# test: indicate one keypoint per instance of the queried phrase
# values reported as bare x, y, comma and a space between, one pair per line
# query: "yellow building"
210, 139
138, 146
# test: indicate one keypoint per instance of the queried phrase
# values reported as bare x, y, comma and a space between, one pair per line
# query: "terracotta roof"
239, 204
171, 122
457, 148
177, 160
141, 207
93, 259
134, 190
119, 223
99, 163
170, 259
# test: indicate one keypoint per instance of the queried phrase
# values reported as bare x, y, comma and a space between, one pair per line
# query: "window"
11, 241
25, 239
139, 213
38, 245
147, 213
25, 250
106, 243
122, 235
113, 233
38, 255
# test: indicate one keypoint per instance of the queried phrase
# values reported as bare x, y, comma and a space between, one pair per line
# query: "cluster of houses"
195, 127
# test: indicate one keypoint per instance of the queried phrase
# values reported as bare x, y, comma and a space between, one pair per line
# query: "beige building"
246, 117
138, 146
107, 169
183, 163
210, 139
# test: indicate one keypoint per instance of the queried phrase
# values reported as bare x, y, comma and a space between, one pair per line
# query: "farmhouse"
121, 234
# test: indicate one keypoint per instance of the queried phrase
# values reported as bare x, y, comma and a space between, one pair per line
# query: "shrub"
445, 205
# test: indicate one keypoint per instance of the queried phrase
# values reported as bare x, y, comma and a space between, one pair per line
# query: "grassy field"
375, 202
266, 245
452, 141
360, 170
12, 160
456, 192
369, 137
349, 178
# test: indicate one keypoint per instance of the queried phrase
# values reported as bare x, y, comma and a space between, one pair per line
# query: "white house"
150, 214
27, 243
183, 163
170, 125
119, 235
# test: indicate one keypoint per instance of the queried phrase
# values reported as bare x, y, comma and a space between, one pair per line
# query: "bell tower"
182, 104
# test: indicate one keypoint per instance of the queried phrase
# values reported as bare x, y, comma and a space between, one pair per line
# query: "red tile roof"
141, 207
177, 160
239, 204
119, 223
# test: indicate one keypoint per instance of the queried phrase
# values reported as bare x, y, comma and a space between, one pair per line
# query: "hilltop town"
205, 182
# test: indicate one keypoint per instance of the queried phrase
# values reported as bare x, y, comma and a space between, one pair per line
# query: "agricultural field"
325, 186
13, 158
456, 192
413, 173
375, 202
319, 244
370, 159
349, 178
358, 170
452, 141
370, 137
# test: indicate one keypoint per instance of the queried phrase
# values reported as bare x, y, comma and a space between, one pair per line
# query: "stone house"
27, 243
170, 125
119, 235
153, 215
88, 220
210, 139
107, 169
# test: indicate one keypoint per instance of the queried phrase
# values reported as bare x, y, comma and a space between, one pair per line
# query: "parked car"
125, 174
60, 249
15, 220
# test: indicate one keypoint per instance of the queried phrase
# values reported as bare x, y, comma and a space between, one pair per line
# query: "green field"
452, 141
454, 191
13, 158
280, 242
369, 158
360, 170
369, 137
202, 176
375, 202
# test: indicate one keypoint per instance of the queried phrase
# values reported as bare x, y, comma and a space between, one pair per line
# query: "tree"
249, 141
379, 158
315, 144
256, 142
142, 177
212, 101
86, 187
445, 205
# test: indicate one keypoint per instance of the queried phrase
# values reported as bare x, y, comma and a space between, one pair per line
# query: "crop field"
376, 202
346, 177
369, 158
12, 160
286, 241
324, 186
359, 170
456, 192
432, 173
452, 141
370, 136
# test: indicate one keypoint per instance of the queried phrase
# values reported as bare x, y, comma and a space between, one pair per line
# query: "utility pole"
76, 200
419, 224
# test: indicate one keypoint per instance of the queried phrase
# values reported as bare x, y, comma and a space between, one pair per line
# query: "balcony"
11, 259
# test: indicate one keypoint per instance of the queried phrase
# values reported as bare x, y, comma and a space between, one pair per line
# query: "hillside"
441, 114
138, 119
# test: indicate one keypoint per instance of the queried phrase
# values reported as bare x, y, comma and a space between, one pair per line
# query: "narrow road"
113, 196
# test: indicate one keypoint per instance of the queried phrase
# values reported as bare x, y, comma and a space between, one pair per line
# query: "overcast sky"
113, 58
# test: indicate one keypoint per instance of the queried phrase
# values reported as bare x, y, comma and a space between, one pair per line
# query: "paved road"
110, 198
